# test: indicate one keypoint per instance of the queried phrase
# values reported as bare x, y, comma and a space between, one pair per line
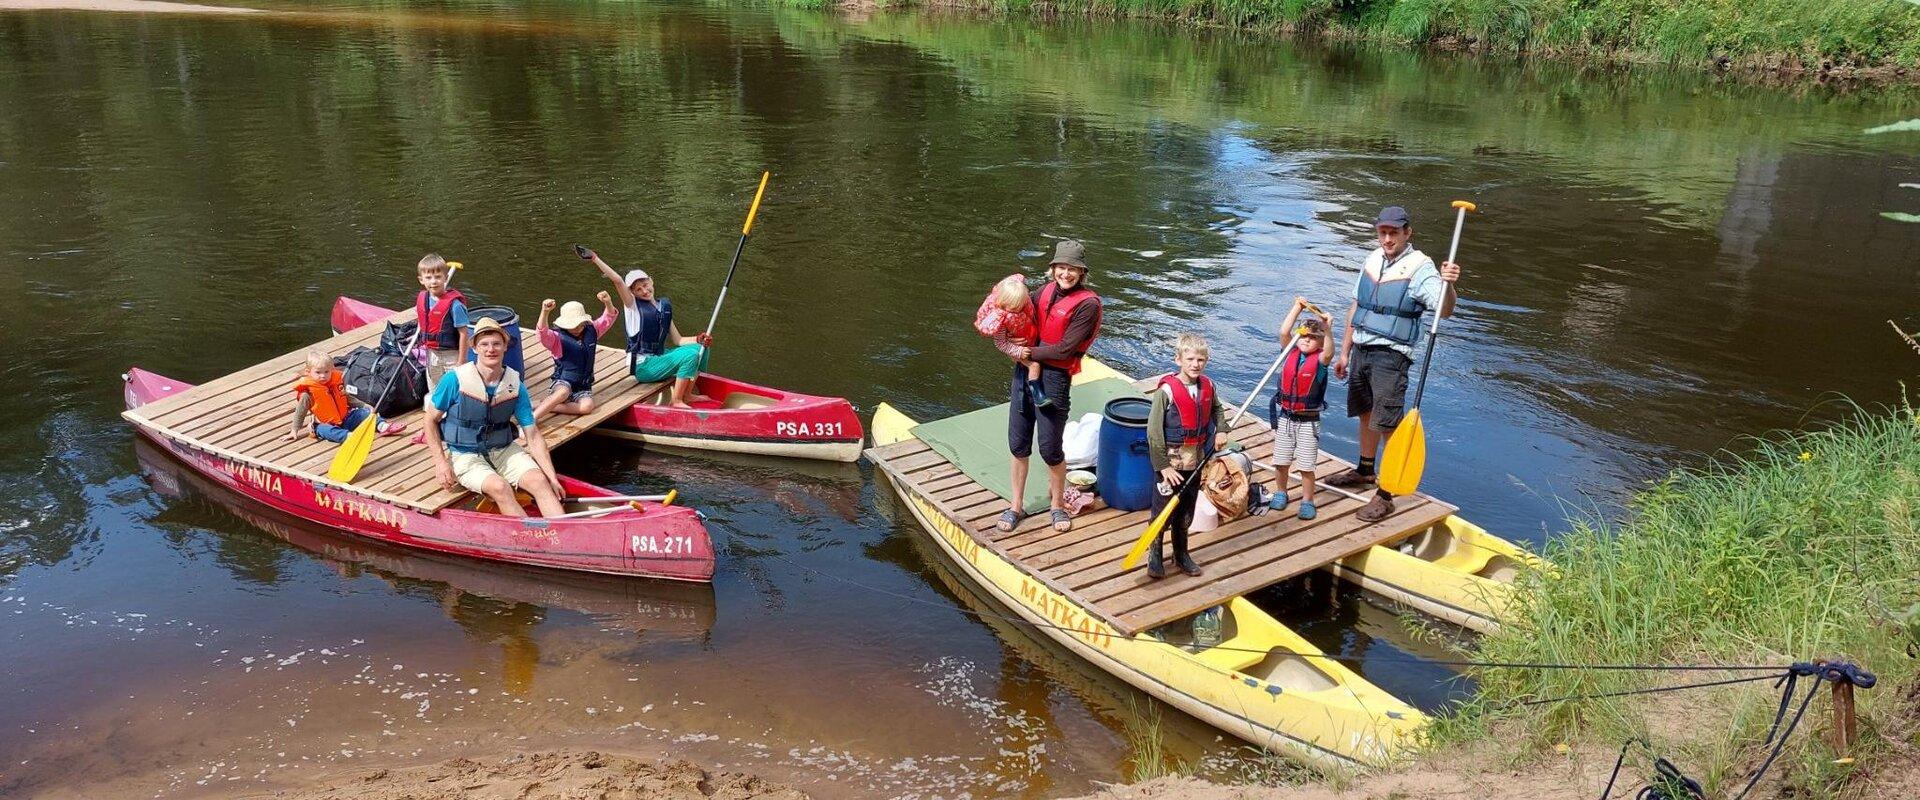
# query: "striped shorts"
1296, 442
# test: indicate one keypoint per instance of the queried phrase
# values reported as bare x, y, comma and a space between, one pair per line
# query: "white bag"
1205, 516
1082, 441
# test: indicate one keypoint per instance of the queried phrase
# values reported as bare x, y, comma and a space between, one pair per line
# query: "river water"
1664, 264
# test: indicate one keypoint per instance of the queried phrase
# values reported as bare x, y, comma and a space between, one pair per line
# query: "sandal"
1009, 519
1062, 521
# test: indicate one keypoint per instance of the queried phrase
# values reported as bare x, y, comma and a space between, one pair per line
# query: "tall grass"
1808, 547
1791, 33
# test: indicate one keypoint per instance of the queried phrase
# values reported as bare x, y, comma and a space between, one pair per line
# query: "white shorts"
1296, 442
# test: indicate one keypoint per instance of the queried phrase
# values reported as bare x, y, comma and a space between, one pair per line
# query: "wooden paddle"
745, 230
353, 452
1406, 455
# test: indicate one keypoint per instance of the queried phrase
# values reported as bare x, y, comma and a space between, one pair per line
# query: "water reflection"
493, 603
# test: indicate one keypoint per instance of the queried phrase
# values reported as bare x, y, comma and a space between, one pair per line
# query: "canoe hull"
1343, 723
741, 418
1456, 572
656, 541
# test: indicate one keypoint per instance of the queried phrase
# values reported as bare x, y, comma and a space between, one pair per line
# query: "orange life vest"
329, 397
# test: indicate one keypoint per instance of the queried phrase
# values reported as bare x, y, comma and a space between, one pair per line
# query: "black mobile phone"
582, 251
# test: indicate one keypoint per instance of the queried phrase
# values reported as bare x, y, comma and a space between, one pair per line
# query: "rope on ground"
1670, 784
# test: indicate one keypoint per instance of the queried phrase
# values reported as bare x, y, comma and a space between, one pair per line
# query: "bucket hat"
572, 315
1069, 252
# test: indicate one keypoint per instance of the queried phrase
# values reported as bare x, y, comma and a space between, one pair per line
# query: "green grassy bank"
1866, 38
1808, 547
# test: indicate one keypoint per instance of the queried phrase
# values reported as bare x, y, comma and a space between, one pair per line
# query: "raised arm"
1293, 316
626, 294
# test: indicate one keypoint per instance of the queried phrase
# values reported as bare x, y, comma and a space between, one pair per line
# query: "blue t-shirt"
456, 315
447, 392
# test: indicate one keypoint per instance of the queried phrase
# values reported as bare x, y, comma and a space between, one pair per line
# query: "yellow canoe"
1262, 682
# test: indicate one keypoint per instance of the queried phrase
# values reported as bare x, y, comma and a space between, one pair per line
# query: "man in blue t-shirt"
472, 416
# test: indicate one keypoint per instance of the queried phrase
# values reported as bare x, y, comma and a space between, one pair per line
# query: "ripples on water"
1664, 264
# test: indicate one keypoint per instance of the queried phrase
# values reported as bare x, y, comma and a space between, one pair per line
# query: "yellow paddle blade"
353, 452
1406, 456
1159, 522
757, 194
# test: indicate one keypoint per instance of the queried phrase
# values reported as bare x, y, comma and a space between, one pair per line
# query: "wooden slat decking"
1084, 563
245, 416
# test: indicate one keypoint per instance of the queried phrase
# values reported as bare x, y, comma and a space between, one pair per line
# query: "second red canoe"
737, 417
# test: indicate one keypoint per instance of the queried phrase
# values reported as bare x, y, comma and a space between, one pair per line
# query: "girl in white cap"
655, 349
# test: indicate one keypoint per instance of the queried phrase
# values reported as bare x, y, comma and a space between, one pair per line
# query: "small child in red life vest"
322, 409
1183, 431
442, 314
1297, 402
1007, 316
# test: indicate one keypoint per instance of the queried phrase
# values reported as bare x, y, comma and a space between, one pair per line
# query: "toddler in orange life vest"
1007, 317
1297, 402
322, 409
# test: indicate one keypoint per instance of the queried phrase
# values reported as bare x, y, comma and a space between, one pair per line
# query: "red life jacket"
329, 397
1303, 388
431, 322
1192, 419
1053, 322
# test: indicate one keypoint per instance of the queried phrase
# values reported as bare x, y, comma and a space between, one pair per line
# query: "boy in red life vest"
1296, 406
322, 409
1007, 317
1181, 435
442, 314
574, 341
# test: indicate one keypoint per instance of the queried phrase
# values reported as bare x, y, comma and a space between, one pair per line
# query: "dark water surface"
1665, 264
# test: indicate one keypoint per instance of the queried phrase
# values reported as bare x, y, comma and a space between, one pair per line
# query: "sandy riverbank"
561, 775
135, 6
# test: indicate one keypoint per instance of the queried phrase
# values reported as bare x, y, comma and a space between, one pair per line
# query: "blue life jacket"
1388, 308
575, 364
1302, 393
655, 324
479, 422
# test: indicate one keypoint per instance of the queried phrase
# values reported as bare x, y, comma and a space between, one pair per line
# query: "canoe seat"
1255, 634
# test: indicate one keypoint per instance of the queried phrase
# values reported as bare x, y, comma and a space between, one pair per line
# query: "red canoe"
652, 541
738, 417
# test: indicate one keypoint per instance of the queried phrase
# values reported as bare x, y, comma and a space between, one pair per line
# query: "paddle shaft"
1270, 370
1433, 334
745, 231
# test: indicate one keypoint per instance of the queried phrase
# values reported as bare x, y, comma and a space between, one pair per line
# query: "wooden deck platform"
1084, 563
245, 417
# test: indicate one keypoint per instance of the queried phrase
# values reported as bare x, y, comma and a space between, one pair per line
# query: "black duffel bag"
398, 338
368, 372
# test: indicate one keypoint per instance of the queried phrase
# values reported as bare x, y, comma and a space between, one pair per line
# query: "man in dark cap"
1398, 284
1067, 315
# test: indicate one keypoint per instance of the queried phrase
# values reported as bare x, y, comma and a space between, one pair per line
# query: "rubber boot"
1180, 556
1039, 395
1156, 568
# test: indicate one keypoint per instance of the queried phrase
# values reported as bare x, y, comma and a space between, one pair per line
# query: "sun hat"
636, 275
1069, 252
486, 325
572, 315
1394, 216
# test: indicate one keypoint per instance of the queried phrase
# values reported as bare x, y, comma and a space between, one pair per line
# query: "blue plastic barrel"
509, 321
1123, 474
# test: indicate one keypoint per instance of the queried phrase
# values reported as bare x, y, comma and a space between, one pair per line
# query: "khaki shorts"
439, 362
510, 463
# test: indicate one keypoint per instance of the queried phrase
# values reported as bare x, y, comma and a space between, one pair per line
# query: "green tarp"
976, 442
